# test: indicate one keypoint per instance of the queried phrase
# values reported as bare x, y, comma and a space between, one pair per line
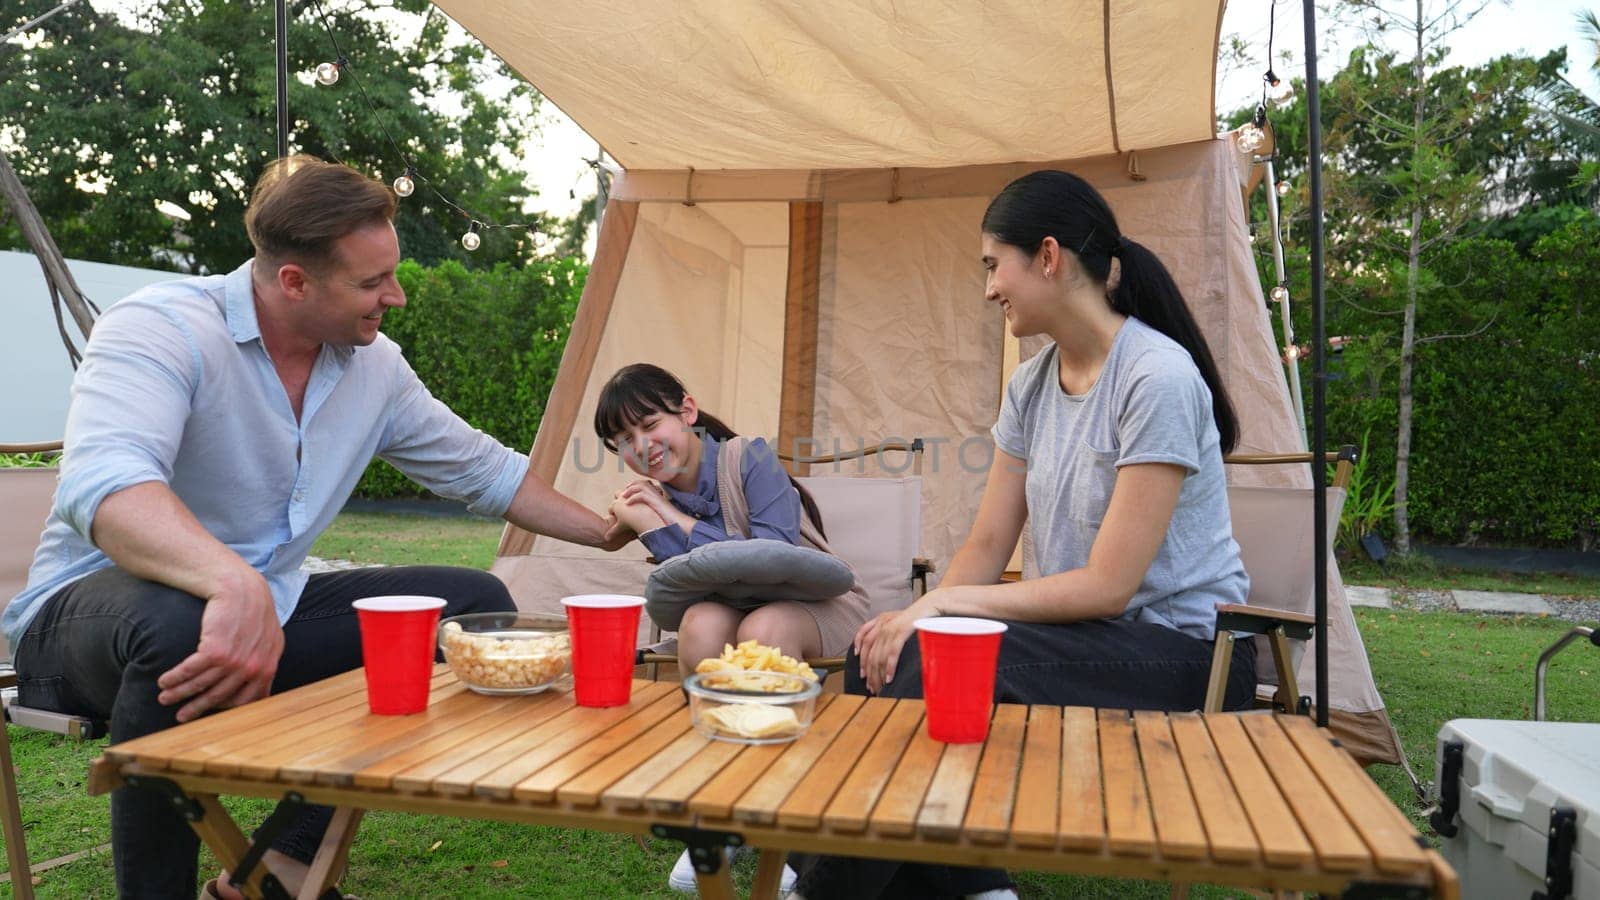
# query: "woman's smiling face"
1016, 281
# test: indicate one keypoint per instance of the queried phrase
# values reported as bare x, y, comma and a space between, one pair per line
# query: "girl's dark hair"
1063, 206
642, 389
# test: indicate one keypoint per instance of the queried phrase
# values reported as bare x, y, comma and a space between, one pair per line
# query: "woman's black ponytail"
1063, 206
641, 389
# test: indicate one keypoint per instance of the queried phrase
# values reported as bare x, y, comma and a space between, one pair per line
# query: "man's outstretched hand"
240, 645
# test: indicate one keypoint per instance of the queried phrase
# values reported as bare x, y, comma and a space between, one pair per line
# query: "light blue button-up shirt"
176, 387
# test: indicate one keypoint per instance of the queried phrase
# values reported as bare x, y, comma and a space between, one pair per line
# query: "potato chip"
753, 720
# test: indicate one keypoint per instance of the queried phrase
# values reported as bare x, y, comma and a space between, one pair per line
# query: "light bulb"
1250, 137
403, 186
328, 73
1280, 294
1281, 93
471, 240
1283, 189
1292, 351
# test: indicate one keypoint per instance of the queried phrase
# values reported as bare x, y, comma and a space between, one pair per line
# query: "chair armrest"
1262, 620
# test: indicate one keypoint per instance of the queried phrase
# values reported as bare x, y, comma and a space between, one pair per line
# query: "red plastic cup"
958, 663
605, 628
397, 641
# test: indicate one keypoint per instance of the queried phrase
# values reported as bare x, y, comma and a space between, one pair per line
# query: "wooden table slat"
1038, 785
760, 803
584, 791
847, 812
494, 773
483, 730
542, 785
945, 804
1335, 841
1282, 841
1388, 834
714, 801
1179, 833
152, 750
349, 725
812, 795
216, 755
1227, 829
628, 792
419, 778
671, 794
337, 763
1129, 829
1082, 809
896, 812
988, 821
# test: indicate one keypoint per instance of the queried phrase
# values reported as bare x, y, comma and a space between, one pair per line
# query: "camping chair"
26, 495
1273, 527
873, 523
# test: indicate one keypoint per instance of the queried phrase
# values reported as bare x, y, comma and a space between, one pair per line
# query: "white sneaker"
682, 877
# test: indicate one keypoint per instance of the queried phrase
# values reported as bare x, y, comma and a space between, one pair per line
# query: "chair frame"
79, 728
1280, 626
921, 567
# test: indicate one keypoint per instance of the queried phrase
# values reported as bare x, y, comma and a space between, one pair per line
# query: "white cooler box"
1522, 799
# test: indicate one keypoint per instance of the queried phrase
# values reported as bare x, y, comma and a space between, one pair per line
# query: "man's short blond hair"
302, 205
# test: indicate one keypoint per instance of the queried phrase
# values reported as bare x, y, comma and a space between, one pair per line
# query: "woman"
1109, 444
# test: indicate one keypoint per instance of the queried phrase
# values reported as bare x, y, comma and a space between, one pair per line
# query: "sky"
1531, 26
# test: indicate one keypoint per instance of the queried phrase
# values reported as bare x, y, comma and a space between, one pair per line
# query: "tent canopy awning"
846, 84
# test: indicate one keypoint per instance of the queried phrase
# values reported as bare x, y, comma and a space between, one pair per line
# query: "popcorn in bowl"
505, 653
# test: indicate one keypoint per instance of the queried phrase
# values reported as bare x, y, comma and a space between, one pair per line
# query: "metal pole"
281, 9
1276, 214
1319, 376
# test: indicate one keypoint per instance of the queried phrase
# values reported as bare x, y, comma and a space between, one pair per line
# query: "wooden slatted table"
1258, 801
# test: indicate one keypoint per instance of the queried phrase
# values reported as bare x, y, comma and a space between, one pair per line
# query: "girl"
1109, 444
645, 416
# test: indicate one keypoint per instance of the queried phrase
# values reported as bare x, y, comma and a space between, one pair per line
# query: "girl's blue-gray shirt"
1149, 405
774, 503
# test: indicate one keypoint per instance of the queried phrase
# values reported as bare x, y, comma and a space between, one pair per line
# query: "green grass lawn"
1430, 667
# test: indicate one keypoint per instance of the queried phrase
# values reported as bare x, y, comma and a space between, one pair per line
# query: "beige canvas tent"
794, 231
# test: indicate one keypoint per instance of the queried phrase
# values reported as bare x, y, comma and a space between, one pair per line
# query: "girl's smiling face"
1016, 281
661, 444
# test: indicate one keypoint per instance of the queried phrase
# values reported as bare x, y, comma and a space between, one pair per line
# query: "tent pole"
1319, 375
577, 358
281, 17
797, 400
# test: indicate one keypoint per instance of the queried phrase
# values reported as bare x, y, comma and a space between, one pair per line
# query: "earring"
1047, 271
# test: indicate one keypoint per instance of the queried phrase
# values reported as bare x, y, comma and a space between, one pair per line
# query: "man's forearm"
150, 533
541, 509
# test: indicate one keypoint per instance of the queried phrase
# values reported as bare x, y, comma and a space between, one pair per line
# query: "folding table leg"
334, 852
219, 832
716, 885
769, 874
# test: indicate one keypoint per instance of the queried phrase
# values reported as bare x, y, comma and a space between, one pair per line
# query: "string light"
1253, 134
406, 184
1280, 294
1284, 188
328, 72
1292, 352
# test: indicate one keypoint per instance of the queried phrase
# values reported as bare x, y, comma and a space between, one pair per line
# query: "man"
217, 426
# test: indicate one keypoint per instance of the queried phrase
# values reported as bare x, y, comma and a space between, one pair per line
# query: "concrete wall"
35, 375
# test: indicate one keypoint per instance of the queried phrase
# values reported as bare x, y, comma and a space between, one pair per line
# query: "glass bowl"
506, 652
751, 707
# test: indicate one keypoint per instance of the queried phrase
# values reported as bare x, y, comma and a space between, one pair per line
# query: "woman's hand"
617, 534
879, 642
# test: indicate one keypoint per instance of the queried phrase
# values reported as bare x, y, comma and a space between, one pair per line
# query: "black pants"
1106, 663
98, 646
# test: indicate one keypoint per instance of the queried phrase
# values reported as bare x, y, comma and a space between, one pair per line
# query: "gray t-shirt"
1149, 405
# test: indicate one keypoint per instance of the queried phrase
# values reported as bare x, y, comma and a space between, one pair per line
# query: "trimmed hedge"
1505, 441
486, 342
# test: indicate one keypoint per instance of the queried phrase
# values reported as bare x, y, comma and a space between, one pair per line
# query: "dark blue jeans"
1106, 663
98, 646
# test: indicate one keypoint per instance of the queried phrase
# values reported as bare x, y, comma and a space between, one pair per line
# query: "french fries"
750, 656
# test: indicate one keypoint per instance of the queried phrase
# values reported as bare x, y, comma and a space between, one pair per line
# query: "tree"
104, 117
1578, 113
